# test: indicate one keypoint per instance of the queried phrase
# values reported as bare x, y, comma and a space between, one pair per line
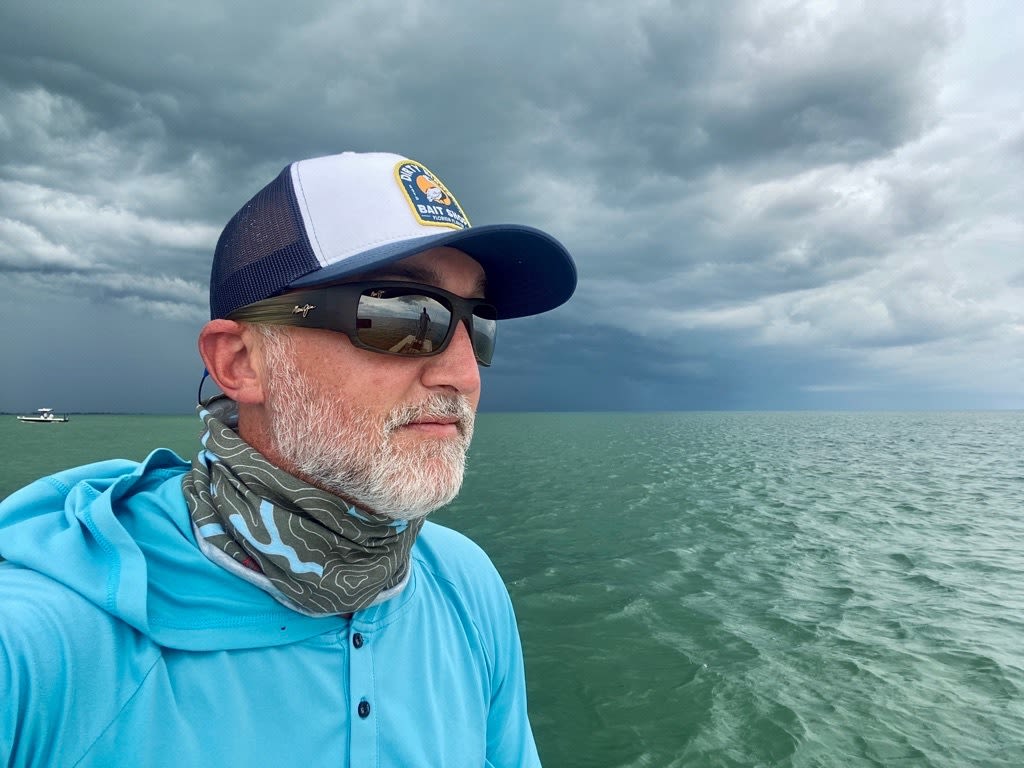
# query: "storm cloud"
771, 204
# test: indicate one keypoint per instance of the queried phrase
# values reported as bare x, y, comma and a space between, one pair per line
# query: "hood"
119, 534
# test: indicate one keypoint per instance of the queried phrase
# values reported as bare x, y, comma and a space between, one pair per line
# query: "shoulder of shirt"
454, 557
90, 480
446, 547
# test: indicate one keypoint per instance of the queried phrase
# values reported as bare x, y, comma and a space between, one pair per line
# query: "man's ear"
227, 350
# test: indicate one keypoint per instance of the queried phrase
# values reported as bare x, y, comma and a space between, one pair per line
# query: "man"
280, 601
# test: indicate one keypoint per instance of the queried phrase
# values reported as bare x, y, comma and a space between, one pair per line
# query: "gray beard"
352, 453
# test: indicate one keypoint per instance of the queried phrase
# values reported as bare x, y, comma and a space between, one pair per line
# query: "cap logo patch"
431, 202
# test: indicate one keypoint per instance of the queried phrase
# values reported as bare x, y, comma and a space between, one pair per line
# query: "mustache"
436, 406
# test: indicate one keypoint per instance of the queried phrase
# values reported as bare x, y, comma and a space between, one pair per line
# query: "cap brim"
527, 270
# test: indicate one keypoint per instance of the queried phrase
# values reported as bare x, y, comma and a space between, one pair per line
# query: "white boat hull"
44, 416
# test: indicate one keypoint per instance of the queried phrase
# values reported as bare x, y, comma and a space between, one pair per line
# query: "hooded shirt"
122, 644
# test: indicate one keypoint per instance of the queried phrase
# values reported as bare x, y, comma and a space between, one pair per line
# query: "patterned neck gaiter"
311, 550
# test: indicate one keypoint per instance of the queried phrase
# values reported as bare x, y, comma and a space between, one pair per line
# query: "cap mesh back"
261, 250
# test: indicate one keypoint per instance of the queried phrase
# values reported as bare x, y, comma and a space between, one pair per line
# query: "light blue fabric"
121, 644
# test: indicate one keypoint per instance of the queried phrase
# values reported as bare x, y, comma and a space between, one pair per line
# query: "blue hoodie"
121, 644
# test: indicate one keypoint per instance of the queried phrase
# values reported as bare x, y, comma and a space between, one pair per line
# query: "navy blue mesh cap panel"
261, 250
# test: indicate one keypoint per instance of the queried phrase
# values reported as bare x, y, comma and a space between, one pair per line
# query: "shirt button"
364, 709
357, 640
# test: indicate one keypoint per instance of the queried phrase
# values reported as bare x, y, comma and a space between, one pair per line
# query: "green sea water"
731, 589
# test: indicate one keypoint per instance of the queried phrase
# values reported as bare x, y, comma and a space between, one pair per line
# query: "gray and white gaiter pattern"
310, 549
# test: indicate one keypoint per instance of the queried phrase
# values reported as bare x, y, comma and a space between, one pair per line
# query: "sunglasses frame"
335, 308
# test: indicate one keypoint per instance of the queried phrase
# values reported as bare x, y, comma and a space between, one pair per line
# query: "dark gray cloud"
772, 204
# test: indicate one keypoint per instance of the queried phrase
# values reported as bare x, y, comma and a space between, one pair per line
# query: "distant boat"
44, 416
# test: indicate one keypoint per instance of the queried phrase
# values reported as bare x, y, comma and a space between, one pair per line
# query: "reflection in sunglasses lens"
404, 324
413, 324
484, 330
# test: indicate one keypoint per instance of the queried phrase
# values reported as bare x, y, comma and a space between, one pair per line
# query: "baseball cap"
327, 218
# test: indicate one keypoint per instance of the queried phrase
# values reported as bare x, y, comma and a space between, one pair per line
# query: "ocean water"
731, 589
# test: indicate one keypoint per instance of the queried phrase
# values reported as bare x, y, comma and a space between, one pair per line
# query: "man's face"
387, 433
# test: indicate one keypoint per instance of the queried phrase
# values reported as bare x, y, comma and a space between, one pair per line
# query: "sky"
772, 205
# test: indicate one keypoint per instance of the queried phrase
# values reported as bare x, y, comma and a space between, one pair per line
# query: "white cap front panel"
353, 202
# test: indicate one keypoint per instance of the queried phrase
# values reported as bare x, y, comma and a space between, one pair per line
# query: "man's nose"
456, 368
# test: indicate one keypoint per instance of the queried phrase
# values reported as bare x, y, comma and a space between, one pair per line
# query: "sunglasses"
394, 318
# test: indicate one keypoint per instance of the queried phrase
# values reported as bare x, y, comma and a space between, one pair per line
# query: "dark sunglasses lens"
485, 328
391, 320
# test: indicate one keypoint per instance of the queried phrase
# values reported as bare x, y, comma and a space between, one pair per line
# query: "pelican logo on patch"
431, 202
